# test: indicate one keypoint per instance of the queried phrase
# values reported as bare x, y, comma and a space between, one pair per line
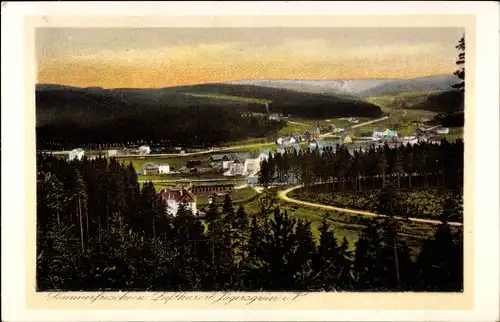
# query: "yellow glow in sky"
163, 57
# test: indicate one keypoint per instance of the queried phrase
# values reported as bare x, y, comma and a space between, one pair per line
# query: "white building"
76, 154
175, 197
112, 153
237, 168
275, 117
443, 130
226, 164
163, 168
285, 141
144, 149
378, 133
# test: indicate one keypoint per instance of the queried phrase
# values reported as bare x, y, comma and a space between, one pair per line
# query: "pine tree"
382, 165
302, 257
460, 72
366, 265
397, 168
326, 259
275, 252
266, 202
263, 176
388, 204
241, 228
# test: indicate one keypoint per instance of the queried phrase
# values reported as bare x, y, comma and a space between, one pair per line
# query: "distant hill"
434, 83
84, 104
360, 88
199, 115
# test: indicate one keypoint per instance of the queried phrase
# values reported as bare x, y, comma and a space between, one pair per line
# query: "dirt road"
283, 196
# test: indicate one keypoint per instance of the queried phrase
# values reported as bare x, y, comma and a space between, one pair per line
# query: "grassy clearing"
293, 128
398, 100
228, 97
178, 177
302, 125
251, 148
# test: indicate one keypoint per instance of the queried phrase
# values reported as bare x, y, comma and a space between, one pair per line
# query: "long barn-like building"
212, 189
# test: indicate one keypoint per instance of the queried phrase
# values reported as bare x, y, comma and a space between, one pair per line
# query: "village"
245, 166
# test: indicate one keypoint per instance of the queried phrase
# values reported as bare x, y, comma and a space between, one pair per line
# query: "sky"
163, 57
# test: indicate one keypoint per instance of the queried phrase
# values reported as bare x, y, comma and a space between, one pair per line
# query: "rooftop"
177, 195
216, 157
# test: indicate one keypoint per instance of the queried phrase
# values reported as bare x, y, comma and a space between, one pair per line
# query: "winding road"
283, 196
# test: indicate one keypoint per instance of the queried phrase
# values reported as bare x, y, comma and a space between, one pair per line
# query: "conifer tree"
460, 72
275, 251
302, 258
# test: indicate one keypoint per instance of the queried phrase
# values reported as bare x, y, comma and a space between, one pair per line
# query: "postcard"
198, 159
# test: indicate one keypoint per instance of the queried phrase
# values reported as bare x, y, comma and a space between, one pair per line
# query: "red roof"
178, 195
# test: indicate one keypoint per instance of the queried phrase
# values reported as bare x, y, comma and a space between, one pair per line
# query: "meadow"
218, 96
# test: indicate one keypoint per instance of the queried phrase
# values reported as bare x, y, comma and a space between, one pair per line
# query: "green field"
251, 148
400, 100
306, 124
228, 97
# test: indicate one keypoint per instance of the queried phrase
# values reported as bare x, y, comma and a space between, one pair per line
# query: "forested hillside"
68, 116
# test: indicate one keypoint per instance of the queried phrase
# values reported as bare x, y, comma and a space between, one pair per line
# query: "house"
306, 136
218, 158
275, 117
112, 153
151, 169
377, 132
390, 133
216, 166
443, 130
253, 161
237, 168
296, 136
353, 120
315, 132
285, 141
320, 145
144, 149
347, 139
163, 168
76, 154
226, 164
174, 197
